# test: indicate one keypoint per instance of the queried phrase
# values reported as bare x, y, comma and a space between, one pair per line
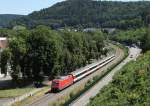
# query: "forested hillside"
130, 87
140, 37
5, 19
90, 13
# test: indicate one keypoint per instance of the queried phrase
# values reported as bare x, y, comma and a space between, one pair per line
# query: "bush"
129, 86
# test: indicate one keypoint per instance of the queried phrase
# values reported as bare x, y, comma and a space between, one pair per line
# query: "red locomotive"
65, 81
62, 82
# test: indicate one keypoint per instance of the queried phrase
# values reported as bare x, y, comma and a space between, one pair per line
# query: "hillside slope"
6, 18
130, 86
88, 13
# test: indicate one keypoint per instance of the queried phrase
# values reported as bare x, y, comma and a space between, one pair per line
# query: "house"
109, 30
3, 42
89, 30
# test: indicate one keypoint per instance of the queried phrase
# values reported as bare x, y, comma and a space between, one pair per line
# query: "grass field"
33, 97
14, 92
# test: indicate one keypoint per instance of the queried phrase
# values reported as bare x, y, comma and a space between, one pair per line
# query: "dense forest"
140, 37
130, 87
89, 13
5, 19
41, 52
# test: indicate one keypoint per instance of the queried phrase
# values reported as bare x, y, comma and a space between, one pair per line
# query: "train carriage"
65, 81
80, 73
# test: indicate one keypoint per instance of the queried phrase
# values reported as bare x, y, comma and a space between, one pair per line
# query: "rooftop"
3, 38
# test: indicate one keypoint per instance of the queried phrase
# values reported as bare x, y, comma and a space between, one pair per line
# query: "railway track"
48, 99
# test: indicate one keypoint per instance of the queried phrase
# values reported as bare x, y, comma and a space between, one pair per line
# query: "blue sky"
26, 6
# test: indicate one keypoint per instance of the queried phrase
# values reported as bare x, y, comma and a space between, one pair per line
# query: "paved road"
85, 98
47, 99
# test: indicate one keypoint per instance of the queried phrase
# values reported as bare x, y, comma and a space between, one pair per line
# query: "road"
48, 99
84, 99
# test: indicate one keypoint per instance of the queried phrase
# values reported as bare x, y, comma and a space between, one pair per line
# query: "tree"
43, 52
144, 15
5, 56
45, 48
18, 49
146, 40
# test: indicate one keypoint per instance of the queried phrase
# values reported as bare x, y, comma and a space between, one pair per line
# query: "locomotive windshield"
55, 83
61, 77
